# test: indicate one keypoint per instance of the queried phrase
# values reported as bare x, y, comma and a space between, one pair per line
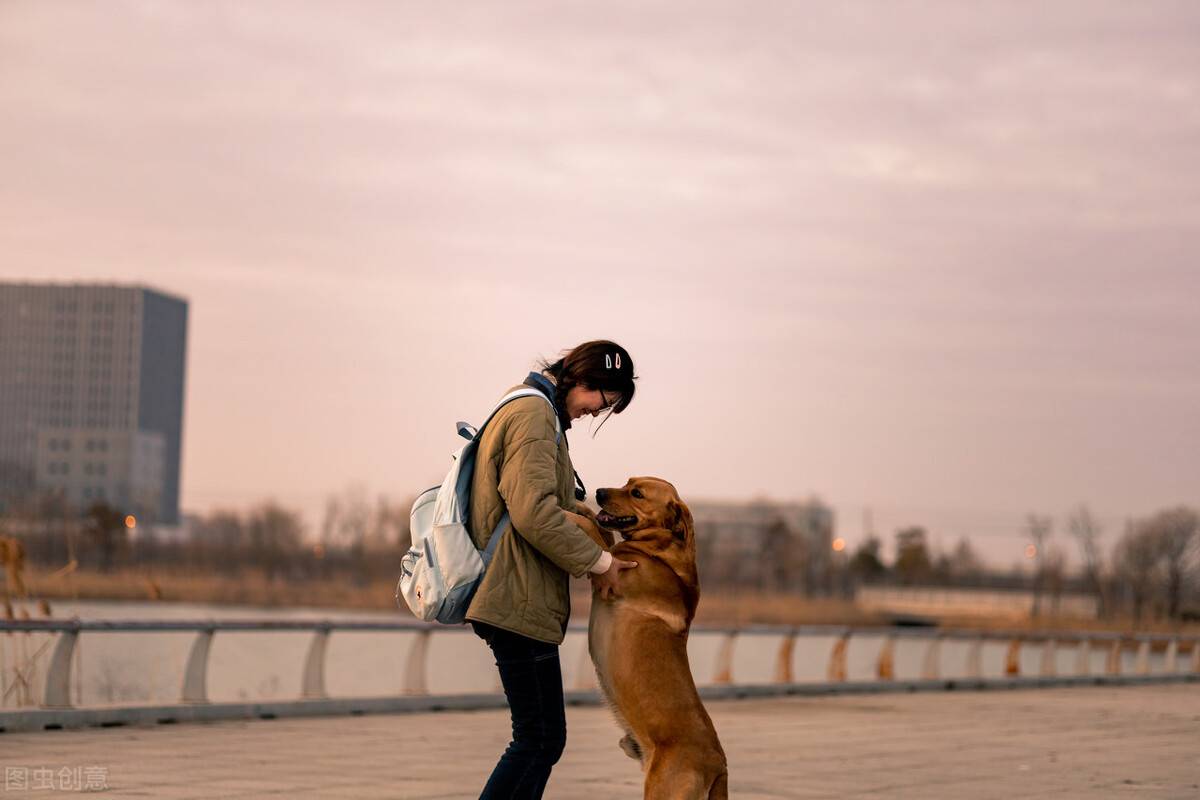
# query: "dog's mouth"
607, 520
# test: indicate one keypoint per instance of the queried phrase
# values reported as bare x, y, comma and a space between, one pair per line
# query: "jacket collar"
546, 386
542, 384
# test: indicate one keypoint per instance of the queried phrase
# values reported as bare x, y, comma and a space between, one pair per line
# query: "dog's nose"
602, 495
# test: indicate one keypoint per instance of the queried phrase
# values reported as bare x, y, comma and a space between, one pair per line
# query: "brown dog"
638, 641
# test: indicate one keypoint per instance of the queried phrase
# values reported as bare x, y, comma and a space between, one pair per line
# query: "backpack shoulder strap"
513, 395
494, 539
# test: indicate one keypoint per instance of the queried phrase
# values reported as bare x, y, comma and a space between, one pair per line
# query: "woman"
523, 603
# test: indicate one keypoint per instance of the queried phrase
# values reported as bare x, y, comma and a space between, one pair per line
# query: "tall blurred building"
91, 396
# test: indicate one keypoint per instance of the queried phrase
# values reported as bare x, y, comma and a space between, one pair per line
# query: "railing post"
414, 664
1012, 659
1171, 659
975, 658
1049, 664
1112, 664
724, 672
585, 675
313, 682
933, 657
783, 659
1083, 657
1143, 657
195, 677
58, 678
837, 658
885, 666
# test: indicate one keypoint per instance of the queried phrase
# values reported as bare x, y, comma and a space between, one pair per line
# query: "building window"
64, 468
53, 442
87, 468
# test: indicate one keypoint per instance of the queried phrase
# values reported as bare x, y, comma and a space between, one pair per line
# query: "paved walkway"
1087, 742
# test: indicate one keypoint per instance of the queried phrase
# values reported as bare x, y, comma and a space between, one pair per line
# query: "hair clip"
607, 361
618, 360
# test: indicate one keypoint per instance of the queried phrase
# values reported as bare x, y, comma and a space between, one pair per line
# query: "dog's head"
644, 504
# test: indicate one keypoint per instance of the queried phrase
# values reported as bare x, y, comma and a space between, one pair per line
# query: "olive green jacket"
519, 467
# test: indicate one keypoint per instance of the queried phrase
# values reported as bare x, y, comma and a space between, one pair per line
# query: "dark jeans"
532, 679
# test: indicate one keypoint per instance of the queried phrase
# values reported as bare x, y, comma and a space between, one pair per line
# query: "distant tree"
1174, 533
106, 528
912, 555
866, 565
1086, 531
347, 519
816, 534
1038, 529
390, 525
706, 552
274, 533
217, 539
779, 550
367, 537
957, 567
965, 564
1054, 573
1136, 557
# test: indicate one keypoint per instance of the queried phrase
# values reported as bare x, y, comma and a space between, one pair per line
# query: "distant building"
91, 396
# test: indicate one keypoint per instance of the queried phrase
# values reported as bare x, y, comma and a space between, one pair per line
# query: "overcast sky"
936, 259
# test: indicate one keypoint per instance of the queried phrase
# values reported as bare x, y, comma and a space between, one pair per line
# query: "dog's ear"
679, 520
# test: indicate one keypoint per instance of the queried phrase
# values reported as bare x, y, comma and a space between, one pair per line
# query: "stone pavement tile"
244, 786
1067, 742
172, 792
441, 791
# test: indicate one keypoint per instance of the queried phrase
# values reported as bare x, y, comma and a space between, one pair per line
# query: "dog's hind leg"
628, 744
669, 777
720, 788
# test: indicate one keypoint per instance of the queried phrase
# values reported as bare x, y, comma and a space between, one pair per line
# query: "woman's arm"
584, 518
529, 488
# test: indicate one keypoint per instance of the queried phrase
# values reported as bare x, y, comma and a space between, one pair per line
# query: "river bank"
250, 588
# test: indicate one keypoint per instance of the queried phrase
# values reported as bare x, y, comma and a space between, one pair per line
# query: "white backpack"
443, 568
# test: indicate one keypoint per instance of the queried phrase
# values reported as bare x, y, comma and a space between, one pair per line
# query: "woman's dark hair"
600, 364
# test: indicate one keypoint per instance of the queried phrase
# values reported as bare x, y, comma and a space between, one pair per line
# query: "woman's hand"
606, 582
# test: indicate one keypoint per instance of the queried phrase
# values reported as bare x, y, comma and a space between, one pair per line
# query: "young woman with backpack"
522, 604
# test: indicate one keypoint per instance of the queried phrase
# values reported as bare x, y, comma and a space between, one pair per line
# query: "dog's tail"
720, 788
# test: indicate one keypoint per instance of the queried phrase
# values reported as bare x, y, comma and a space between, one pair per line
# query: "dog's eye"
637, 493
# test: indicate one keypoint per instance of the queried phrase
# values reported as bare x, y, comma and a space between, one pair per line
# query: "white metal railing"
194, 683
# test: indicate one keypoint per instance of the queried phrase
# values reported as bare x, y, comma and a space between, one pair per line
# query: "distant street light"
839, 544
1031, 551
131, 522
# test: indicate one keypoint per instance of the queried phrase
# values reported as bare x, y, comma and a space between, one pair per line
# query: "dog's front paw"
598, 534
